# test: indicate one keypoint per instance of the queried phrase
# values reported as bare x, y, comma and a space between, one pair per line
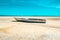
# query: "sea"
29, 7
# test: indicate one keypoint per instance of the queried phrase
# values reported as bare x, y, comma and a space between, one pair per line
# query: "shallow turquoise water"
30, 7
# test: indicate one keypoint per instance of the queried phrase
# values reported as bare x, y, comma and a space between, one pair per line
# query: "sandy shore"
10, 30
50, 21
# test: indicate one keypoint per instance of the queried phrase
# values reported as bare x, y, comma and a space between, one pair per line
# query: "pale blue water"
30, 7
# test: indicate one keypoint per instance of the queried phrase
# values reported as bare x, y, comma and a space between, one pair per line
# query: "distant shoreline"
30, 15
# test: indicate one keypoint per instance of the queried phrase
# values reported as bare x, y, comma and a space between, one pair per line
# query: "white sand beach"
11, 30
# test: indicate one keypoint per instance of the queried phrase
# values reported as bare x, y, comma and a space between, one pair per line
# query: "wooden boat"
30, 20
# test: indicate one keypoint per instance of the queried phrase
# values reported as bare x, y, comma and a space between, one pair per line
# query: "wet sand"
12, 30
